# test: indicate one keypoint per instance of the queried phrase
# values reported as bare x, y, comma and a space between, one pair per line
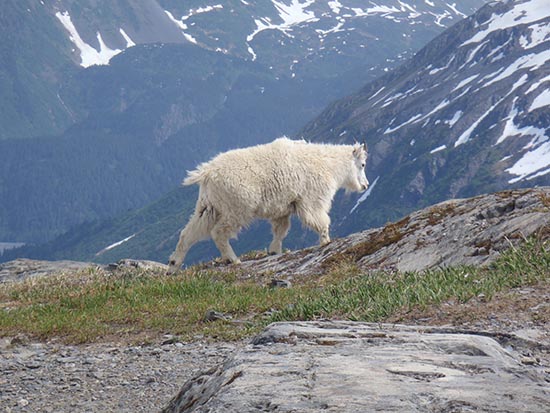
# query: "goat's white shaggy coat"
271, 181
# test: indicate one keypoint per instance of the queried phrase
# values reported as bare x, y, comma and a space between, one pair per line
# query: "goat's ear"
357, 150
365, 146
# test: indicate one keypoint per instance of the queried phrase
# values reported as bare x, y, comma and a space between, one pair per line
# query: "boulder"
359, 367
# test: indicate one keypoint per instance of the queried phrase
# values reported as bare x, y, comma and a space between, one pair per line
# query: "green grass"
139, 305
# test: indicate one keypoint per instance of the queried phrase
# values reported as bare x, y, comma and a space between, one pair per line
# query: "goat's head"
359, 181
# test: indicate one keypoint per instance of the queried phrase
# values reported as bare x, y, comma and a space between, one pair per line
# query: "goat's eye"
362, 165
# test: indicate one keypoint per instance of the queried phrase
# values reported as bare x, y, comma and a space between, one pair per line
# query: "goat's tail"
194, 177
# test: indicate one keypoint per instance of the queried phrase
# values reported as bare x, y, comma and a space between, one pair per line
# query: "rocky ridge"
472, 231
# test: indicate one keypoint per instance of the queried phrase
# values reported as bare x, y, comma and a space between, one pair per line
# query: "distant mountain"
44, 43
105, 104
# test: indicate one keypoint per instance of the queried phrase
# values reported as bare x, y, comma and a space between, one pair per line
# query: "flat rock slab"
360, 367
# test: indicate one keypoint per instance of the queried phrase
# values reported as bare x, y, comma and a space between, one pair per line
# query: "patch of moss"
390, 234
505, 194
437, 213
545, 199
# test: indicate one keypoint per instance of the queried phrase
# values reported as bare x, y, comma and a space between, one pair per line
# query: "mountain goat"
270, 181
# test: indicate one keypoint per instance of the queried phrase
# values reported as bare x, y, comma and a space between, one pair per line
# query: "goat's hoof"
172, 267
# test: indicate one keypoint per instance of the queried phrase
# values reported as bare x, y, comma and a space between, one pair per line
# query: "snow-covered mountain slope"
311, 35
469, 113
344, 43
307, 29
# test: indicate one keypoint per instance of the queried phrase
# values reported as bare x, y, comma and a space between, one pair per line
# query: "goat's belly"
275, 210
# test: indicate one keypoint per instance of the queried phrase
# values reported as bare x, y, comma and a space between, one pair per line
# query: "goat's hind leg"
221, 233
197, 229
279, 227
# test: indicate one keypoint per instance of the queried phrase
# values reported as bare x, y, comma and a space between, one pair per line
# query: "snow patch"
438, 149
455, 10
377, 93
200, 10
540, 173
335, 6
444, 103
523, 13
88, 55
365, 195
439, 69
533, 61
541, 100
455, 119
440, 17
182, 26
539, 34
129, 42
251, 51
510, 129
291, 15
472, 54
116, 244
371, 11
411, 120
536, 158
531, 163
464, 83
335, 29
465, 136
536, 84
190, 38
179, 23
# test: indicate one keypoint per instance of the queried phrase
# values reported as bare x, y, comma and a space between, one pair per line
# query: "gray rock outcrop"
472, 231
360, 367
23, 268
